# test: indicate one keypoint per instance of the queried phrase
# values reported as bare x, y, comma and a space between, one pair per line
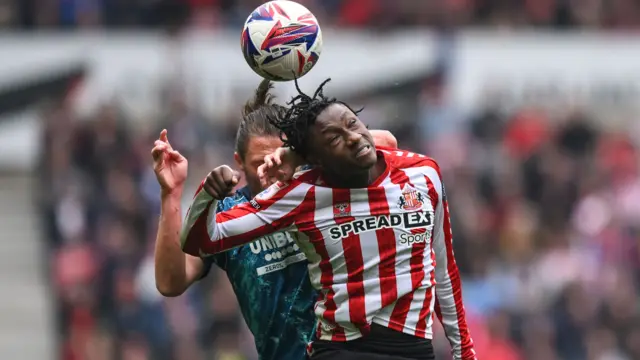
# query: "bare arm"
175, 270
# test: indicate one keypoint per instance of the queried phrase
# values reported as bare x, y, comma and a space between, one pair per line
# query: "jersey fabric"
381, 254
271, 282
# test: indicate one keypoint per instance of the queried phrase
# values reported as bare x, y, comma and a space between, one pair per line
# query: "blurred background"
530, 106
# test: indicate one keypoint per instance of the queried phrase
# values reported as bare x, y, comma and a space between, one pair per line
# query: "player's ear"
238, 160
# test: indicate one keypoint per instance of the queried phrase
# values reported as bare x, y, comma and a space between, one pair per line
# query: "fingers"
221, 181
277, 156
262, 172
162, 146
235, 178
214, 185
269, 172
268, 162
176, 156
211, 190
163, 136
158, 150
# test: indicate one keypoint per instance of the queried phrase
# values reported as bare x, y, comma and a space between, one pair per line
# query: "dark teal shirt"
271, 282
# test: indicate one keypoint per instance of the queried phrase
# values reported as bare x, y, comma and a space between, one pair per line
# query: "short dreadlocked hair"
301, 115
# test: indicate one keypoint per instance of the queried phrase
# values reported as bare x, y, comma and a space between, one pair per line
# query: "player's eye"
334, 140
352, 122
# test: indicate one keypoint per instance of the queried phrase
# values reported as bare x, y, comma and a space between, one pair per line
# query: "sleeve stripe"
208, 232
194, 228
466, 344
244, 209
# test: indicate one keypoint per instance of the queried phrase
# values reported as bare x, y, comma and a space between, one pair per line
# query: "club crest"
342, 210
411, 199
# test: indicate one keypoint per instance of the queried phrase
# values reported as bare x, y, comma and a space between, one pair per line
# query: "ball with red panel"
281, 40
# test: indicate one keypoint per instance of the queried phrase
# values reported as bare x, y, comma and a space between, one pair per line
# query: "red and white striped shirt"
381, 254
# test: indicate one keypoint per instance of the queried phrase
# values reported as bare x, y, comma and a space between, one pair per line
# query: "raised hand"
221, 181
169, 165
278, 166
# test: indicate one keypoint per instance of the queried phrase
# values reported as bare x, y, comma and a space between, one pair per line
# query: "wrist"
171, 194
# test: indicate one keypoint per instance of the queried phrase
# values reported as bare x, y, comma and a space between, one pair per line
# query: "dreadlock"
301, 115
255, 117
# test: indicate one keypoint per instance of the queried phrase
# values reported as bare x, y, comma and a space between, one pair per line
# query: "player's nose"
353, 138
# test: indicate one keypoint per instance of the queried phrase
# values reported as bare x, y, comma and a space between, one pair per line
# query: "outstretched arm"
175, 271
205, 232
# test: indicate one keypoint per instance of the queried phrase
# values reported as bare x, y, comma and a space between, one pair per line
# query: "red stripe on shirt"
307, 224
354, 263
403, 305
378, 206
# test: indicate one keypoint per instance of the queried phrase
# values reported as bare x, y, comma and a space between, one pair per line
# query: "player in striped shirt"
374, 226
269, 275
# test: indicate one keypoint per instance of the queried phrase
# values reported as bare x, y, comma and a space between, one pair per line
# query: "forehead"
334, 114
262, 145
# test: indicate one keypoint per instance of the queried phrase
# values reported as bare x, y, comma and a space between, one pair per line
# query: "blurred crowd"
547, 225
545, 210
545, 217
66, 14
100, 203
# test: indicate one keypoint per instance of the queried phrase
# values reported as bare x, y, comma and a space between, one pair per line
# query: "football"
281, 40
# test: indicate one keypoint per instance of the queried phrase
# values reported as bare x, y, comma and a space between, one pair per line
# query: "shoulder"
403, 159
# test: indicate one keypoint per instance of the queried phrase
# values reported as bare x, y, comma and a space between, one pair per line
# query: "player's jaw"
364, 153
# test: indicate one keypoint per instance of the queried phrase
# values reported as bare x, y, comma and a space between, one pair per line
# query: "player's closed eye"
334, 140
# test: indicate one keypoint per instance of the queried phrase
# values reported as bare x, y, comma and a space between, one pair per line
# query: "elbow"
168, 290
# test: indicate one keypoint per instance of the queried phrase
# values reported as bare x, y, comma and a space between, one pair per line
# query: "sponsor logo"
411, 199
255, 204
279, 250
270, 191
327, 327
342, 210
281, 265
407, 221
410, 239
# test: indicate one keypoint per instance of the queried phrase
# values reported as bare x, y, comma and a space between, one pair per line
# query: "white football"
281, 40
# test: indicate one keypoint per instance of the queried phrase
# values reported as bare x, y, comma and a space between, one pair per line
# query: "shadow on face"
257, 148
340, 143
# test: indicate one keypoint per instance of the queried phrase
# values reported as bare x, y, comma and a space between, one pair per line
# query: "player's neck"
356, 180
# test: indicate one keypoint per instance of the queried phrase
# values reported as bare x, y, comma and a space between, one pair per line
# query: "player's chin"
365, 162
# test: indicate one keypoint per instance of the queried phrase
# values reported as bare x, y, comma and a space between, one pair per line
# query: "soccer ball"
281, 40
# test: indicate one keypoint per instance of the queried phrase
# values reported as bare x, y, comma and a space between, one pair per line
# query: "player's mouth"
363, 151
